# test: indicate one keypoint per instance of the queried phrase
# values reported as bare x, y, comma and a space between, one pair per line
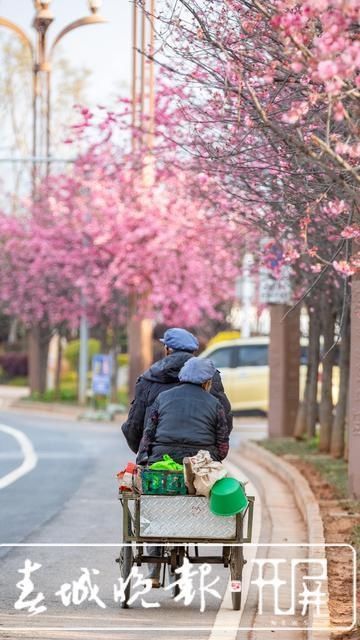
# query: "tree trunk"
313, 369
114, 371
58, 368
300, 422
13, 331
103, 335
115, 350
139, 343
326, 403
338, 431
284, 363
39, 340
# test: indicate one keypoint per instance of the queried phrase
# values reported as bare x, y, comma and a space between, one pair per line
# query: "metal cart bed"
175, 523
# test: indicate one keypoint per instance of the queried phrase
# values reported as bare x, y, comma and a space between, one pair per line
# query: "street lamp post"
41, 56
143, 113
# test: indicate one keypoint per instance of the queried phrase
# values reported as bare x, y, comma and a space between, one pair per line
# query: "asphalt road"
70, 498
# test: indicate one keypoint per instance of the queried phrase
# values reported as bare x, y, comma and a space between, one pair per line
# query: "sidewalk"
17, 398
9, 394
289, 515
281, 523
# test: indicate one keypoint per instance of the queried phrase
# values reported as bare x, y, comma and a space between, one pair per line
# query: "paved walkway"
10, 394
281, 522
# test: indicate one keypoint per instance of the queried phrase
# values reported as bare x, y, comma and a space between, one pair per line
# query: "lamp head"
43, 17
95, 6
42, 4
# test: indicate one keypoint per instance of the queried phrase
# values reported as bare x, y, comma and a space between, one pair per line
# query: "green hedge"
72, 352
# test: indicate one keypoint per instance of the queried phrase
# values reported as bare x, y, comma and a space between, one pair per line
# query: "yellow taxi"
244, 369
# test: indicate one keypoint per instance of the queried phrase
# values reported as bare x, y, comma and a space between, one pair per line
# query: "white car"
244, 369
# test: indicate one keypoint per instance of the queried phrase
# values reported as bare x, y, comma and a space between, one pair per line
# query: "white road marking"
30, 458
48, 455
227, 622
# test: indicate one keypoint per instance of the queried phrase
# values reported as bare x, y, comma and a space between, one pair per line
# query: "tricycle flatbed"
177, 522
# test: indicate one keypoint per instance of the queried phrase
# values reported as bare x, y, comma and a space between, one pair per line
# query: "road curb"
47, 407
310, 510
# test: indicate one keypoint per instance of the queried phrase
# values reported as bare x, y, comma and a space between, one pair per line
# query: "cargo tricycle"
179, 524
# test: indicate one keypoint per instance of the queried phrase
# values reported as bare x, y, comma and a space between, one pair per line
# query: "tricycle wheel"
126, 560
125, 563
236, 568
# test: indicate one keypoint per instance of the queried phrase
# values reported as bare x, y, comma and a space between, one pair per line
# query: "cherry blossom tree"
259, 113
266, 98
95, 235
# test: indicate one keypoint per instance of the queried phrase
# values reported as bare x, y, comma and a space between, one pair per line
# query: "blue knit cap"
180, 340
197, 370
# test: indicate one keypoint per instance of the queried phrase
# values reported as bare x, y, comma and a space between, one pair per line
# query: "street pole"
143, 113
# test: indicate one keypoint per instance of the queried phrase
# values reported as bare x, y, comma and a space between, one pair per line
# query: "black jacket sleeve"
217, 390
222, 433
134, 426
148, 435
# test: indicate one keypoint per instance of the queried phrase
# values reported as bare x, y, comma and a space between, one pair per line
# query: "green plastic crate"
163, 483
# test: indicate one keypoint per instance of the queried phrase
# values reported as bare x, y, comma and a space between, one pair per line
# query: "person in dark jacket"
185, 419
182, 421
180, 345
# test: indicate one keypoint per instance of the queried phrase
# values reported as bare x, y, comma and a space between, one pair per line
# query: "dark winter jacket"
161, 376
182, 421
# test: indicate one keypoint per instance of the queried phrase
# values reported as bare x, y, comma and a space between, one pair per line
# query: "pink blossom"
344, 268
327, 69
352, 231
356, 261
316, 268
318, 5
339, 111
297, 67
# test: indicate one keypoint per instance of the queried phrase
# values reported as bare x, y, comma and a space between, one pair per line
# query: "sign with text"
101, 374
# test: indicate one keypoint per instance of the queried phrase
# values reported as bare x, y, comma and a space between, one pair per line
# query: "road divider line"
30, 458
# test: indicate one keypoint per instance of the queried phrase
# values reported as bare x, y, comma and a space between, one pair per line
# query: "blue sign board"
101, 375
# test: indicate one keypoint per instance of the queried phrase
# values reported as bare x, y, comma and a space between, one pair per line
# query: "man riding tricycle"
179, 510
